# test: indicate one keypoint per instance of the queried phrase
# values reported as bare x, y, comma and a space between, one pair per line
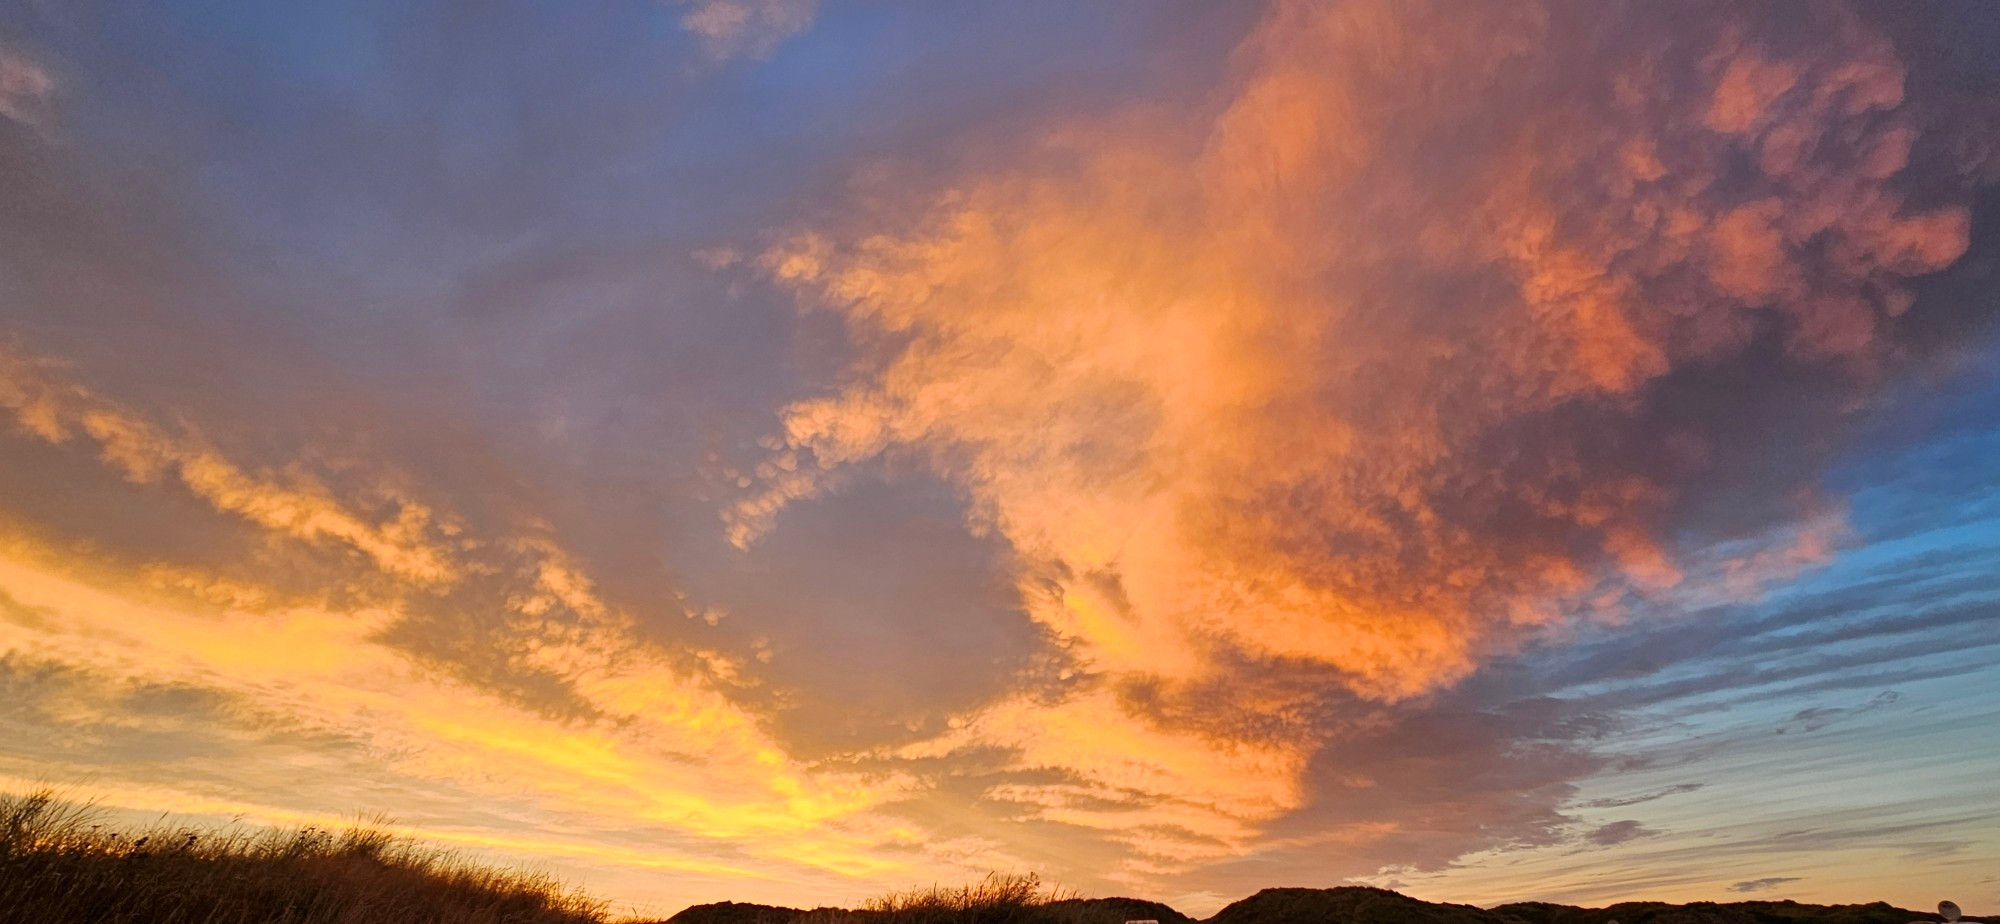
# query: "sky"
785, 451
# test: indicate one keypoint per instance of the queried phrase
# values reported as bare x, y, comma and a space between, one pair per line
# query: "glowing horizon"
779, 451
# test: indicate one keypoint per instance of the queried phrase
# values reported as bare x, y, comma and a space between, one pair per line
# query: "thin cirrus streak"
1421, 346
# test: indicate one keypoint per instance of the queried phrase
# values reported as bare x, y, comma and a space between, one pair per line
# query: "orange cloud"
1370, 375
1237, 398
408, 543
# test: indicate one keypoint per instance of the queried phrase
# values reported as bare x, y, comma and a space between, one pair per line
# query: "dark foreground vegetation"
1021, 900
58, 866
994, 900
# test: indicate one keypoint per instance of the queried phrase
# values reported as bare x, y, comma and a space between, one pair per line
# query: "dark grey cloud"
1496, 763
1617, 832
66, 720
1641, 799
1761, 885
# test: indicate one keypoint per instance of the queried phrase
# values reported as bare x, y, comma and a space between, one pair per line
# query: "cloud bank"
1438, 329
1392, 365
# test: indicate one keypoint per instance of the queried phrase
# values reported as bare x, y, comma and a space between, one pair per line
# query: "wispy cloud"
404, 541
754, 28
1642, 799
1617, 832
25, 89
1762, 885
649, 735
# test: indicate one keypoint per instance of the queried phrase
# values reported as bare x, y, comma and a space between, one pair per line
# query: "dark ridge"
1343, 905
1359, 905
1348, 905
1115, 911
1547, 913
735, 913
1757, 912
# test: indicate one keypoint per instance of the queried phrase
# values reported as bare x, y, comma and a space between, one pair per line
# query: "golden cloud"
655, 743
1366, 371
1247, 395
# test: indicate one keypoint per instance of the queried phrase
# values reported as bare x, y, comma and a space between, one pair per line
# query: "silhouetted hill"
1114, 911
1343, 905
1785, 912
735, 913
1347, 905
1547, 913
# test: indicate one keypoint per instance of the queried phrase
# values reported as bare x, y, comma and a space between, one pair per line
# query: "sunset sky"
782, 451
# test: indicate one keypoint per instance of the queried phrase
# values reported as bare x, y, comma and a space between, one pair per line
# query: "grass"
59, 865
1000, 898
997, 892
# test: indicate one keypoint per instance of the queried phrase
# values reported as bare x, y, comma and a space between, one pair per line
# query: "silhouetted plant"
59, 865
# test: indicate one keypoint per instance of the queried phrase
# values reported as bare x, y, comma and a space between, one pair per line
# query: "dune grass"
998, 891
59, 864
1000, 898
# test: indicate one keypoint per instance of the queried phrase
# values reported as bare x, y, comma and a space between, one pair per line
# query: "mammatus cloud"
754, 28
24, 89
1442, 331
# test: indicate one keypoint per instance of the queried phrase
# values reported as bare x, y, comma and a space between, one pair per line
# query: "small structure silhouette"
1948, 910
